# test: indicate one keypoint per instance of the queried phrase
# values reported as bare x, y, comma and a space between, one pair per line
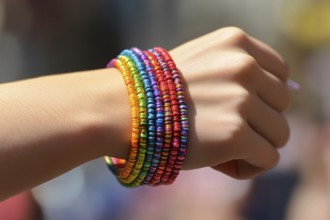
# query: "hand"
236, 90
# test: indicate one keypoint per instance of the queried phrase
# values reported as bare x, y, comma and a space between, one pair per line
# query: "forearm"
52, 124
233, 83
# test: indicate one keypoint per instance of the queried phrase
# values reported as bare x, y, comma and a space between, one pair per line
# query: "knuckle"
245, 101
239, 129
246, 63
234, 35
244, 68
236, 129
244, 106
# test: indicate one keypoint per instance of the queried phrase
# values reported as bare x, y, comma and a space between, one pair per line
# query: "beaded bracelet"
151, 132
159, 115
175, 117
159, 118
122, 168
165, 94
183, 112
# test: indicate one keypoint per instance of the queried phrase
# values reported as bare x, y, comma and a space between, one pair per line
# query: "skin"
236, 91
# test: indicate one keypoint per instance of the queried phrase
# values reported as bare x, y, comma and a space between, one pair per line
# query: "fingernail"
293, 85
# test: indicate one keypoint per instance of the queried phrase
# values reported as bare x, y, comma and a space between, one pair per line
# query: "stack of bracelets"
159, 117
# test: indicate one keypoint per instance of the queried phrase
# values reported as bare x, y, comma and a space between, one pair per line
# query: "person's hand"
236, 90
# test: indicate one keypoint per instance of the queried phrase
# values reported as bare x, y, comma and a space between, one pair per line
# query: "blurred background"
39, 37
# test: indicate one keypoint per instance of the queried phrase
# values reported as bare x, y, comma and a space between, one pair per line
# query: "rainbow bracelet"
159, 118
151, 128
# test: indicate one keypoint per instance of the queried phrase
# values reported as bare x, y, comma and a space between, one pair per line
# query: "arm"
236, 92
52, 124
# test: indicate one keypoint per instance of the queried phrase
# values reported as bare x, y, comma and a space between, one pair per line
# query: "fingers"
233, 73
268, 97
239, 169
256, 155
266, 56
273, 91
257, 151
268, 87
267, 122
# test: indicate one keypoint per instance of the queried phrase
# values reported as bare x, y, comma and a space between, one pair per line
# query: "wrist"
113, 127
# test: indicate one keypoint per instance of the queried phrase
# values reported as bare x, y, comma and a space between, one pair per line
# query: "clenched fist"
237, 92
